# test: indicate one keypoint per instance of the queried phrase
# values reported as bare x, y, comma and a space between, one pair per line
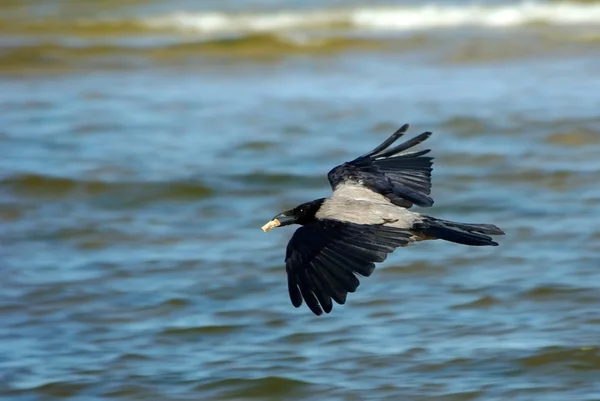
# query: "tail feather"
481, 228
460, 233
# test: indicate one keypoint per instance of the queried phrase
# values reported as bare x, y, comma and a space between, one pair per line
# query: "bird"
366, 218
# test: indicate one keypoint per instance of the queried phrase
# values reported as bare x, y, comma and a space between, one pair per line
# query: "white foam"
438, 16
221, 22
386, 18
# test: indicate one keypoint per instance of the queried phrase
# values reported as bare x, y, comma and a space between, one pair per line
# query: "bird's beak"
283, 219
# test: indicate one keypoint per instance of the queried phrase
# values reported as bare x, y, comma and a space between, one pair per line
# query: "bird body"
362, 210
366, 218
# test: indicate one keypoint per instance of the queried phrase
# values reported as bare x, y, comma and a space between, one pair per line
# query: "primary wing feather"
403, 178
323, 259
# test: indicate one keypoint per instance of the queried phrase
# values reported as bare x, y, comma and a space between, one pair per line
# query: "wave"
256, 42
575, 358
176, 38
132, 192
64, 55
135, 192
385, 18
369, 18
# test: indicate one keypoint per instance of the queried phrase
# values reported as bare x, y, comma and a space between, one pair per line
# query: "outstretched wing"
323, 258
403, 178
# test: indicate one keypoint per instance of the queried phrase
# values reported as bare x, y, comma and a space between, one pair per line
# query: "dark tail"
460, 233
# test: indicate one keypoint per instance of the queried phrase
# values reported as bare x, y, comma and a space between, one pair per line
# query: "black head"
301, 214
305, 213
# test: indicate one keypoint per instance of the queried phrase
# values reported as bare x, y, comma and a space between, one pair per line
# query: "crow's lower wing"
403, 178
324, 257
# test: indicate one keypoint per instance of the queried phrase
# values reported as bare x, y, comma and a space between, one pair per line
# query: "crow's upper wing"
403, 178
323, 258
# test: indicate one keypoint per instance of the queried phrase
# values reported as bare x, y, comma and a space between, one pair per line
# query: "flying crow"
364, 220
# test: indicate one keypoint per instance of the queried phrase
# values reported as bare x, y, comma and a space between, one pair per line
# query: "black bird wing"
324, 257
403, 178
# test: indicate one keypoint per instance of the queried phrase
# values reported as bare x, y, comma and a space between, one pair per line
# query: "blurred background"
143, 144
